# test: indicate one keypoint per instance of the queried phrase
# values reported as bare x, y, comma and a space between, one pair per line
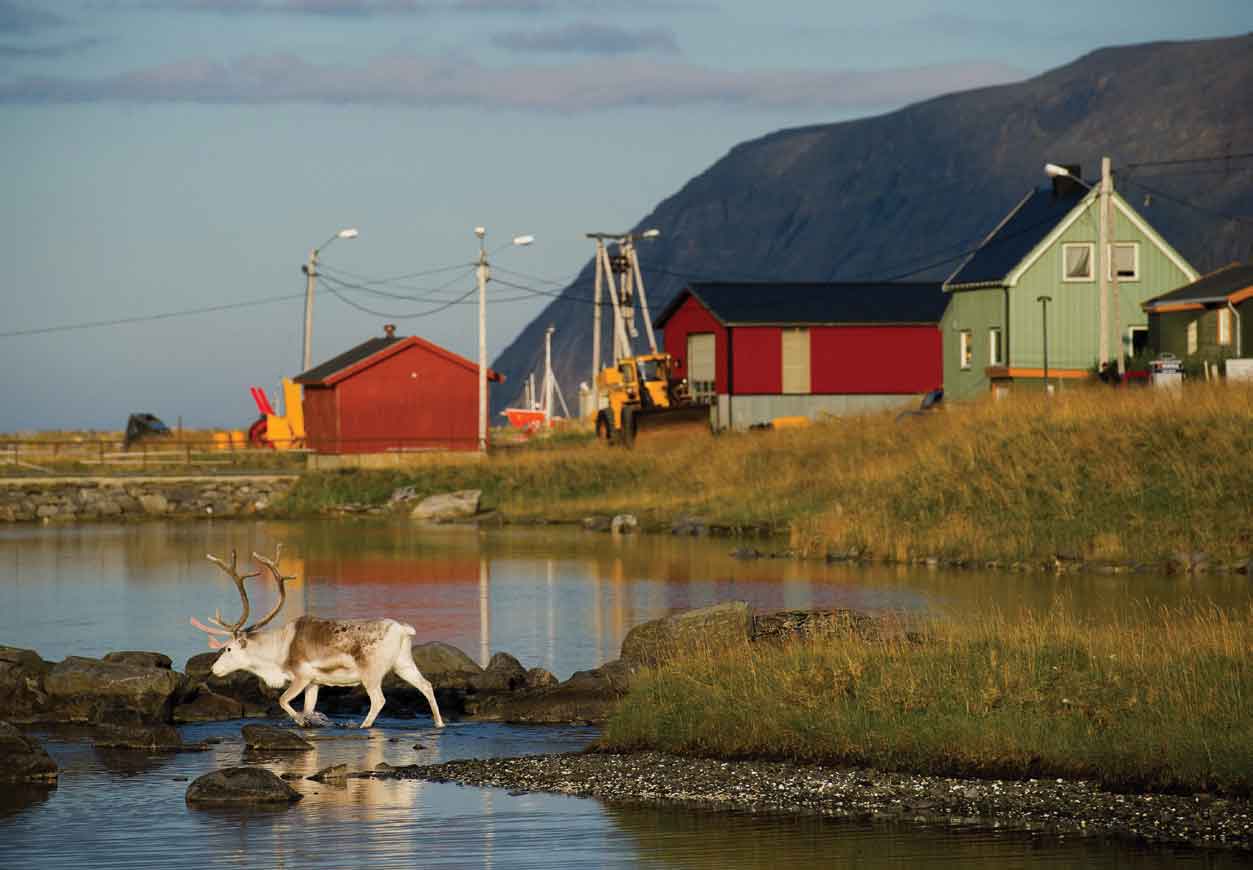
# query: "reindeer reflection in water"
314, 652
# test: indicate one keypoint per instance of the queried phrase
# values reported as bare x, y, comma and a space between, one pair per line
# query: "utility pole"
1102, 258
484, 274
548, 377
1107, 186
311, 276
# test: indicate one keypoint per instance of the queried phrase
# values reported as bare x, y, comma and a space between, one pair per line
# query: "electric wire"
121, 321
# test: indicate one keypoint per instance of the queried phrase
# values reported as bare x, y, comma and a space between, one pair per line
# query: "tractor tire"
628, 427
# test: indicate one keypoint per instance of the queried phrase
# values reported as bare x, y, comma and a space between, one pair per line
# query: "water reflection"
559, 598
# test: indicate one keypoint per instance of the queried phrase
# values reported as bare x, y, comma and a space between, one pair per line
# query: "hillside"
907, 193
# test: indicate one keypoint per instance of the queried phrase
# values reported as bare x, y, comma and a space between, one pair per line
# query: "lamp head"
350, 233
480, 231
521, 241
1052, 170
650, 233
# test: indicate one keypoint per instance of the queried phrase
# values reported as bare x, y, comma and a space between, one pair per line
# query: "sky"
169, 164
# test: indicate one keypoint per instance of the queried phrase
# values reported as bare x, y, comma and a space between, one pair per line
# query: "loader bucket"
667, 424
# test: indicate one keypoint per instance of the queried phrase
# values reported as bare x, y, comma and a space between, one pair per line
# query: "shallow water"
562, 599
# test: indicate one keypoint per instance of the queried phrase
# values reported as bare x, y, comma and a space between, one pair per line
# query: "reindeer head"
235, 654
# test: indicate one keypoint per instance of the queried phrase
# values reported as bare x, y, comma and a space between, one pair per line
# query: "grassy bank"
1161, 700
1135, 475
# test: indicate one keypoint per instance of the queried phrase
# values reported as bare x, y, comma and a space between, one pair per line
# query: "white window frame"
965, 349
1131, 337
996, 346
1091, 276
1135, 261
1224, 327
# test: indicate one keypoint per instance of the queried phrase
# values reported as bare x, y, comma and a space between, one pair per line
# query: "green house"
1047, 247
1210, 319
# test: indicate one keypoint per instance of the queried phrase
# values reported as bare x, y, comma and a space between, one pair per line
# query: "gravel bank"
1052, 805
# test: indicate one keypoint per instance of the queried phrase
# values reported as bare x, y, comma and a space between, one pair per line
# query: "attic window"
1077, 261
1126, 260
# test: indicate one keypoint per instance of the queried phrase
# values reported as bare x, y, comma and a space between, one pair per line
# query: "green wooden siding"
1074, 313
1168, 332
978, 311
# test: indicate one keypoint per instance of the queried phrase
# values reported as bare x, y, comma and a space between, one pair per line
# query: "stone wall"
83, 499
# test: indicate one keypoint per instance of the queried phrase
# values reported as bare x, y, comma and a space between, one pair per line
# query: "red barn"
760, 351
393, 393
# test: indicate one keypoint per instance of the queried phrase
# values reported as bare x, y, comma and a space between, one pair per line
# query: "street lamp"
311, 274
484, 274
1044, 322
1106, 256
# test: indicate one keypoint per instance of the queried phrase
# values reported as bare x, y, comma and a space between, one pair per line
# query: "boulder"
143, 659
722, 626
786, 625
588, 696
444, 665
333, 773
23, 759
155, 737
504, 673
154, 503
623, 524
208, 706
267, 738
597, 524
538, 678
448, 506
22, 673
90, 690
240, 786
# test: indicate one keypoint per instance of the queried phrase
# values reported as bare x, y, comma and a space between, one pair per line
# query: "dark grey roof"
1026, 226
347, 359
1214, 287
782, 303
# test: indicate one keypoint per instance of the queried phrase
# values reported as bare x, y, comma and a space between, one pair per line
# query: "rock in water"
722, 626
240, 785
448, 506
269, 738
23, 759
150, 737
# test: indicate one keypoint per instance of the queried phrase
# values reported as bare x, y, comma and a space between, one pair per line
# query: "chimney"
389, 330
1068, 185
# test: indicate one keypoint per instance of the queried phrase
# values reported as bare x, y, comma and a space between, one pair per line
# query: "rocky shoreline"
856, 794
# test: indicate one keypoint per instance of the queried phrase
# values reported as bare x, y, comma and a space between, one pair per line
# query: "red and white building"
764, 350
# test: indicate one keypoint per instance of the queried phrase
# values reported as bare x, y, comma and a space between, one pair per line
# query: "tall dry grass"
1098, 473
1160, 699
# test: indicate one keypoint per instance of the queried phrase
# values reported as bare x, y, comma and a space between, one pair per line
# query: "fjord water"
557, 598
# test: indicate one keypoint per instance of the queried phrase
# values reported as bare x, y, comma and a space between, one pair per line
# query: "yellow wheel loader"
640, 399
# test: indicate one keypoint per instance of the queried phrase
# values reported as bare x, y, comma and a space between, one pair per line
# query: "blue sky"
169, 155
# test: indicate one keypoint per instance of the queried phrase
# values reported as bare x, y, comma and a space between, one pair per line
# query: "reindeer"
313, 652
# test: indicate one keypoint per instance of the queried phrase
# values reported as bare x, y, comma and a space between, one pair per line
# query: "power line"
1244, 219
121, 321
1182, 160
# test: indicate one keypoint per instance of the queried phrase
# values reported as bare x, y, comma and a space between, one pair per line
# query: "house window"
1125, 261
1138, 340
1077, 261
966, 350
996, 352
1224, 326
796, 360
701, 366
1192, 343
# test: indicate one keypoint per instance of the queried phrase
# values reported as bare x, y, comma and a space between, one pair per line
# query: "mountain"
909, 193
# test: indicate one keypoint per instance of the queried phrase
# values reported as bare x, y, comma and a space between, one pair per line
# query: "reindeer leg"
375, 690
311, 699
408, 671
297, 686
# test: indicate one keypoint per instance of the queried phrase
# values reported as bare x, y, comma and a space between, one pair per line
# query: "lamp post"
311, 275
1044, 322
484, 274
1108, 277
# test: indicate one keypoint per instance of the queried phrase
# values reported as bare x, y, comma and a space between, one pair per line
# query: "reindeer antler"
233, 572
281, 580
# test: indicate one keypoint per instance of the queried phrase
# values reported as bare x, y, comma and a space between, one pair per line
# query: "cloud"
456, 81
327, 8
54, 50
588, 37
16, 18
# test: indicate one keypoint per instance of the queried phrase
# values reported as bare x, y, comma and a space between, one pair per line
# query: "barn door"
796, 361
701, 367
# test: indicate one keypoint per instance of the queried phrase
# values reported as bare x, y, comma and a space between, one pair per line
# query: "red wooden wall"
694, 317
413, 398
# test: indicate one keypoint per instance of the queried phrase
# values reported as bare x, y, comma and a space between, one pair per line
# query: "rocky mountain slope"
907, 194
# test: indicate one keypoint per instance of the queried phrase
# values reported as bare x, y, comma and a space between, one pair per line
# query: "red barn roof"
374, 351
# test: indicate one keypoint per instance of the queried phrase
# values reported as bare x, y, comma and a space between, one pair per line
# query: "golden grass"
1093, 473
1158, 699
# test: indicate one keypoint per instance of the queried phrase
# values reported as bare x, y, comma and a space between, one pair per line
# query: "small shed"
392, 394
758, 351
1212, 317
